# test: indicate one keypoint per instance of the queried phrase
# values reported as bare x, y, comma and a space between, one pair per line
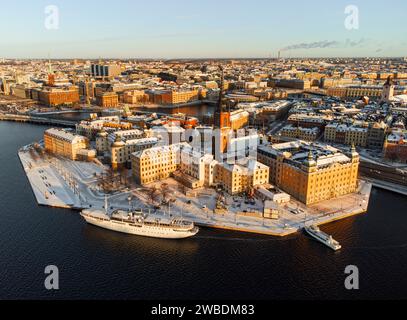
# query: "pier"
396, 188
385, 177
37, 120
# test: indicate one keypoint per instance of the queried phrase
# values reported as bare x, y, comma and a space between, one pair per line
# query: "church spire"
221, 116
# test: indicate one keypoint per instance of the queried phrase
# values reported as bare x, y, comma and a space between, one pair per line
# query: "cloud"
351, 43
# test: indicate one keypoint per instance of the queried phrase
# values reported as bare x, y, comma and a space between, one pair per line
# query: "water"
95, 263
199, 111
71, 116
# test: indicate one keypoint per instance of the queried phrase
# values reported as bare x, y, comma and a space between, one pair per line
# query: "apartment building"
358, 91
57, 96
376, 135
196, 169
309, 172
310, 120
238, 119
294, 132
65, 143
135, 97
241, 177
156, 164
395, 146
174, 97
107, 100
346, 134
121, 151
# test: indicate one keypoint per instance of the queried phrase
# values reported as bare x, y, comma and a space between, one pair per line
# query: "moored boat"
137, 223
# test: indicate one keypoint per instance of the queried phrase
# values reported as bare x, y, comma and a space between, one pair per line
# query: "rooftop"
299, 152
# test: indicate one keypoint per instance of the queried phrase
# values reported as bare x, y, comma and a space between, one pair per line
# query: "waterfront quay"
385, 177
62, 183
36, 120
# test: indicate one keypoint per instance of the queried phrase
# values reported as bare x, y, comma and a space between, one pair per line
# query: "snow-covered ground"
59, 182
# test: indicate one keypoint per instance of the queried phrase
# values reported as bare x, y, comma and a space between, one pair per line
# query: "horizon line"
209, 58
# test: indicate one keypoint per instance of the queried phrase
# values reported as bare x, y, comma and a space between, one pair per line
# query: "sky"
163, 29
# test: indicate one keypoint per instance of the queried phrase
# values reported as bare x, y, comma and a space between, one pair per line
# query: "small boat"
322, 237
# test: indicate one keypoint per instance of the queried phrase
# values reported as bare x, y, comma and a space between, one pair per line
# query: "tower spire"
221, 118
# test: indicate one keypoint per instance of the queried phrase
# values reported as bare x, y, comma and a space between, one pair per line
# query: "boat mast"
106, 210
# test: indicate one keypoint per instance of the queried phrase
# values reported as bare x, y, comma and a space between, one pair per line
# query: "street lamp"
129, 199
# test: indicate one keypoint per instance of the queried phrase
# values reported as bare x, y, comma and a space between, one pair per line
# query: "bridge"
37, 120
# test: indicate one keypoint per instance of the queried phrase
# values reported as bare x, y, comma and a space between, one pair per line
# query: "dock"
389, 186
36, 120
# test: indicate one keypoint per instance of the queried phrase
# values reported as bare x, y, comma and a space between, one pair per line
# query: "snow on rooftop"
64, 134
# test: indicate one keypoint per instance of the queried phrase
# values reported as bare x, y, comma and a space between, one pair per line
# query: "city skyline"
184, 30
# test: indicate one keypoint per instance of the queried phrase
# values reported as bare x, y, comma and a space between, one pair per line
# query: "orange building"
135, 96
121, 126
238, 119
107, 100
56, 96
395, 146
176, 97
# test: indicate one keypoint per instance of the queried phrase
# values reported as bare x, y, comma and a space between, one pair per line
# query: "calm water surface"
96, 263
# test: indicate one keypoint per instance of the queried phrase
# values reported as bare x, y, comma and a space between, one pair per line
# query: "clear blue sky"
210, 28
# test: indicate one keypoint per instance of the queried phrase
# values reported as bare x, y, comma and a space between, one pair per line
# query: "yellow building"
121, 151
295, 132
135, 96
362, 91
239, 178
330, 132
311, 173
239, 119
177, 97
358, 91
155, 164
339, 92
356, 136
346, 134
107, 100
64, 143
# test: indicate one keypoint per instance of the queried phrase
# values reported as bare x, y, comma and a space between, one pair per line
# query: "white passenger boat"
137, 223
322, 237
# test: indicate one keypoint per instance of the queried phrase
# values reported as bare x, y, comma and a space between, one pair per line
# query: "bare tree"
182, 188
165, 191
123, 176
152, 194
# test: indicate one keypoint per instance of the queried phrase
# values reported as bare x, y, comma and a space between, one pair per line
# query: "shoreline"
67, 190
